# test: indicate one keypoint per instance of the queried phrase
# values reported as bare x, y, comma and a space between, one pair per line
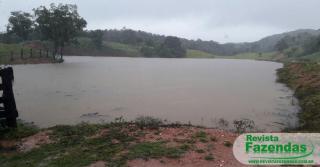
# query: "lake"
197, 91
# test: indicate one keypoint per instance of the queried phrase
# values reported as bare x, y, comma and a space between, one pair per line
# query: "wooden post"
9, 110
53, 55
21, 53
11, 56
30, 52
61, 53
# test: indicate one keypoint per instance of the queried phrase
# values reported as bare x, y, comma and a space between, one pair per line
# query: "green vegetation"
11, 53
272, 56
198, 54
304, 78
59, 24
20, 23
131, 50
148, 122
171, 47
84, 144
201, 136
114, 143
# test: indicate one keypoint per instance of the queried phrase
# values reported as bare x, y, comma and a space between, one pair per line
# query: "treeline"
150, 45
61, 27
296, 43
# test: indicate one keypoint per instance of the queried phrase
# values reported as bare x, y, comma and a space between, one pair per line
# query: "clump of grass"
200, 151
202, 136
73, 134
148, 122
185, 147
209, 157
227, 143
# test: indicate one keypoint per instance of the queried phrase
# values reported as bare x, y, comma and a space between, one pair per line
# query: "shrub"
148, 122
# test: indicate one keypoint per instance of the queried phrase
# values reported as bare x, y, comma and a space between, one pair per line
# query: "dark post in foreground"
8, 109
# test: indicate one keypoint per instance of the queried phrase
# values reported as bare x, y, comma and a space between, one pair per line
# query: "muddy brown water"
199, 91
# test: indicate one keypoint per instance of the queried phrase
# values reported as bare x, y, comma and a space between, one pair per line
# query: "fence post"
30, 52
21, 53
47, 53
9, 110
53, 55
11, 56
40, 53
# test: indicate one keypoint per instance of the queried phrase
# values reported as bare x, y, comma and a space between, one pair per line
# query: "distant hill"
298, 38
295, 38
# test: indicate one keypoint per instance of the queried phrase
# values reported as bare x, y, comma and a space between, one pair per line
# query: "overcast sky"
218, 20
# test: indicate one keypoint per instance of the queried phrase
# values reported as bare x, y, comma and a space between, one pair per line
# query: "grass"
311, 57
201, 136
134, 51
11, 53
198, 54
271, 56
6, 49
86, 47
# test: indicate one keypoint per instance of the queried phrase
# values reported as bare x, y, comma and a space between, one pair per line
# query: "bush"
243, 125
148, 122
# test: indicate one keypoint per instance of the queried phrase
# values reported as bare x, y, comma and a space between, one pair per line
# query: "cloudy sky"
218, 20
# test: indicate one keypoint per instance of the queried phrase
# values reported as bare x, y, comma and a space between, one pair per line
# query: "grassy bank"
11, 54
115, 144
304, 79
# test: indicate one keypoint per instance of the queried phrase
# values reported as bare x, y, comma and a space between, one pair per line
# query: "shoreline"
304, 79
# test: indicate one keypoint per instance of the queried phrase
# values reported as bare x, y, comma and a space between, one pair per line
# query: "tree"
97, 38
21, 24
130, 37
147, 51
171, 47
60, 24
